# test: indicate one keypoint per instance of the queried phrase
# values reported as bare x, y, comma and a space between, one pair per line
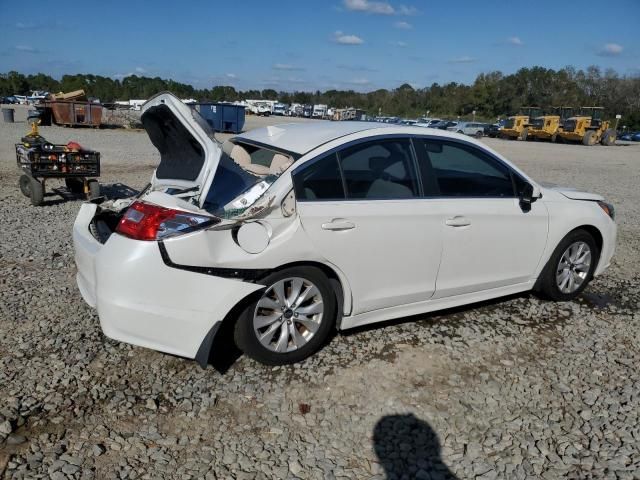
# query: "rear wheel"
589, 138
554, 138
570, 267
609, 138
479, 134
94, 189
292, 318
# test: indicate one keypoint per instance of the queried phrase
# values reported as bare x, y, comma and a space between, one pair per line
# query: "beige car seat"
242, 158
279, 164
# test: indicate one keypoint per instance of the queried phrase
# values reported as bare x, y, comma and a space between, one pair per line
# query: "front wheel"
570, 267
292, 318
25, 185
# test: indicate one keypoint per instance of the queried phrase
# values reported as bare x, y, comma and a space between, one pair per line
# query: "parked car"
630, 137
493, 130
468, 128
428, 122
444, 124
261, 232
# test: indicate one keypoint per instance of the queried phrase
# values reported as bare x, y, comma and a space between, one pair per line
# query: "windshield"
244, 174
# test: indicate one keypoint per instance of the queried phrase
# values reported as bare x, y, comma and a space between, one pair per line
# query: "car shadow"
436, 316
114, 191
111, 191
224, 353
408, 447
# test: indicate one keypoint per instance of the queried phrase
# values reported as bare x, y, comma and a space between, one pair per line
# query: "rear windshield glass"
244, 174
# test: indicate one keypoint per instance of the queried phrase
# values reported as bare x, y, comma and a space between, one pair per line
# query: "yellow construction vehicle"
547, 126
588, 127
516, 126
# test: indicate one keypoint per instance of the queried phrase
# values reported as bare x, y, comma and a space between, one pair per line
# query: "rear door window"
380, 169
321, 180
457, 170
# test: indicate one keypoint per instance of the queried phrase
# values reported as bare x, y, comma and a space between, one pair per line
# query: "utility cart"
39, 160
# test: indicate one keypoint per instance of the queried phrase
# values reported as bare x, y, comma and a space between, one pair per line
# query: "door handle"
338, 224
457, 221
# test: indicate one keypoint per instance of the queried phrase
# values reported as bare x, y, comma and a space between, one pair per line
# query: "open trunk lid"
189, 155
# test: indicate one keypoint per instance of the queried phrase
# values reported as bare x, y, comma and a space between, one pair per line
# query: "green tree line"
491, 95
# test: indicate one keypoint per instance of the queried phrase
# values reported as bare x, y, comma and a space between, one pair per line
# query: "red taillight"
144, 221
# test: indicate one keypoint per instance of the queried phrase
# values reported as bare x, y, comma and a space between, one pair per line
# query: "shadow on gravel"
408, 447
111, 191
448, 315
117, 190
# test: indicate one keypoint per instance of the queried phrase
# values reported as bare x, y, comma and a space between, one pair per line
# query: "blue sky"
314, 44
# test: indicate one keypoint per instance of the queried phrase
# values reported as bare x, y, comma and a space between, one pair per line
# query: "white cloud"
514, 41
463, 59
399, 44
403, 25
610, 50
344, 39
140, 70
286, 66
378, 8
232, 76
25, 48
409, 11
360, 81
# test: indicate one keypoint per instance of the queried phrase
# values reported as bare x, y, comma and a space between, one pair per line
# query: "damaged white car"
291, 232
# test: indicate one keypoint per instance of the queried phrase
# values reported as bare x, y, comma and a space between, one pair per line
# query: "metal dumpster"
75, 113
223, 117
7, 114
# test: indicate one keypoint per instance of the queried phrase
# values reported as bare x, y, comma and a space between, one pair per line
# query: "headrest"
240, 155
279, 164
378, 164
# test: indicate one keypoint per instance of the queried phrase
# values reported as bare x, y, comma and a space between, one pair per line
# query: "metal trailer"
39, 160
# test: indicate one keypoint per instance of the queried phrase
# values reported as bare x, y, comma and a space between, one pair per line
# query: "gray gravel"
515, 388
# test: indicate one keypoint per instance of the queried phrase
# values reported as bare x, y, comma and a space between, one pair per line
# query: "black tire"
94, 189
245, 336
547, 281
479, 134
524, 134
589, 138
554, 138
75, 185
37, 192
609, 138
25, 185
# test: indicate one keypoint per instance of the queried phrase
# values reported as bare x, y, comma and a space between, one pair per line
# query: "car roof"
305, 136
300, 138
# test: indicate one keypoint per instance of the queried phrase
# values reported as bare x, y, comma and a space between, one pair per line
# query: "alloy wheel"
573, 267
288, 314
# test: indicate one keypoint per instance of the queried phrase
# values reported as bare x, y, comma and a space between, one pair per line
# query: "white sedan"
292, 231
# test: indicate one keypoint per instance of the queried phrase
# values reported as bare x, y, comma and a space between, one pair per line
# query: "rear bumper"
142, 301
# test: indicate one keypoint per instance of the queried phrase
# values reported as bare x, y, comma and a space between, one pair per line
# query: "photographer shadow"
408, 448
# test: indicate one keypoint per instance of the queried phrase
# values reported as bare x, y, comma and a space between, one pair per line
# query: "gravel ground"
514, 388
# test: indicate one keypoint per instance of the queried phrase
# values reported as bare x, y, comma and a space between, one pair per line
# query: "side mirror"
526, 197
